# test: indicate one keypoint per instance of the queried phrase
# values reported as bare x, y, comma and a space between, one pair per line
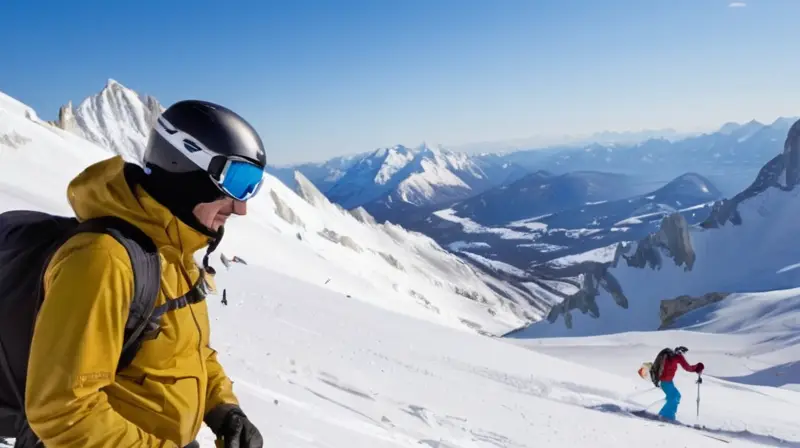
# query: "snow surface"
316, 368
470, 226
748, 343
601, 255
317, 379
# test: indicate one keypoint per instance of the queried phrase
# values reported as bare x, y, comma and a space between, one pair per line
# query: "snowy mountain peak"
391, 181
689, 184
728, 128
116, 118
393, 160
784, 122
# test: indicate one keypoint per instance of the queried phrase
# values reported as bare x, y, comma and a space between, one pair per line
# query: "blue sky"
323, 78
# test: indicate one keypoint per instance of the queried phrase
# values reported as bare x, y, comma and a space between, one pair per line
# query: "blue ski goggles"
237, 178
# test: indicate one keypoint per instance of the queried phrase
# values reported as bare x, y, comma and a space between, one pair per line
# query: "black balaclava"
180, 193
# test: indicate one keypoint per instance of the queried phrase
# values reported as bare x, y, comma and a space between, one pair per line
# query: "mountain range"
604, 137
729, 157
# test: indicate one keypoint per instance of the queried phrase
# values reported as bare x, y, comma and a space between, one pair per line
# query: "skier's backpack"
658, 365
28, 240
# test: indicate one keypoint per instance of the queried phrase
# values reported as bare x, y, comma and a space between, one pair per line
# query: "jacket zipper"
201, 399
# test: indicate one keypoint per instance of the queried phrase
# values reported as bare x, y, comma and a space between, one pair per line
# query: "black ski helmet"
195, 135
199, 152
216, 128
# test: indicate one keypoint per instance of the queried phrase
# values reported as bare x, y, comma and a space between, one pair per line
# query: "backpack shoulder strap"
146, 277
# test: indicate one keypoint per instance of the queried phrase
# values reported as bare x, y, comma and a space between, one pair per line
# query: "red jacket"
671, 366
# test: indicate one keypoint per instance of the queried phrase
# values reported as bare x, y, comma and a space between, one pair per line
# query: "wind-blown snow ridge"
742, 246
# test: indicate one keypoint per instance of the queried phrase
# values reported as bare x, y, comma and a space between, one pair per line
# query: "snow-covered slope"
352, 375
746, 244
382, 264
116, 118
37, 160
748, 342
748, 338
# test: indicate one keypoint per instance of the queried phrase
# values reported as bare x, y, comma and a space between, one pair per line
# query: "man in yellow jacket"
202, 163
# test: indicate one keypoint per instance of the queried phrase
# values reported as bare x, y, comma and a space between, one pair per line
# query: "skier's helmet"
192, 136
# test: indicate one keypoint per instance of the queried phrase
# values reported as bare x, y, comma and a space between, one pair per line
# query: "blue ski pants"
673, 399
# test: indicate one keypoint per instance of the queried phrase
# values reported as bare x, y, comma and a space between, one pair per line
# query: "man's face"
214, 214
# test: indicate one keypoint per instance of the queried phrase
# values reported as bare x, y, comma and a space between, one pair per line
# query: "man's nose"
239, 207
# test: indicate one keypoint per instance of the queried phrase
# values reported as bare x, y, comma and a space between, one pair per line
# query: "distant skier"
663, 371
225, 297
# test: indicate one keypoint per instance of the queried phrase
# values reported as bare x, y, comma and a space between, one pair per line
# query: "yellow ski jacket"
73, 396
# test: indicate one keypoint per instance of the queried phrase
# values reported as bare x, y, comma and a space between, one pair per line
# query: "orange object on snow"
644, 370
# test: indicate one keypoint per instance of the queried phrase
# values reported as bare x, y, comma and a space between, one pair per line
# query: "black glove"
229, 423
700, 367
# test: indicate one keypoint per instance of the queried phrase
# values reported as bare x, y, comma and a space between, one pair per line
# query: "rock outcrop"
363, 216
671, 238
671, 309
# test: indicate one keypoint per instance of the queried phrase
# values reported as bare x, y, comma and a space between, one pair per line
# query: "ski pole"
699, 382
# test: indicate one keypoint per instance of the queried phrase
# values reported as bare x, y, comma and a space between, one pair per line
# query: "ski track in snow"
369, 377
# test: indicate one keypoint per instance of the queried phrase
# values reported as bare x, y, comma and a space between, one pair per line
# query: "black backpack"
658, 365
28, 240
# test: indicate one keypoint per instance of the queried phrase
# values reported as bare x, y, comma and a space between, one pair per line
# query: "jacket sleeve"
76, 343
220, 387
686, 366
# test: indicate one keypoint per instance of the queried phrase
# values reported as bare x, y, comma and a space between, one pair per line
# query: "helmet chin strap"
212, 246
